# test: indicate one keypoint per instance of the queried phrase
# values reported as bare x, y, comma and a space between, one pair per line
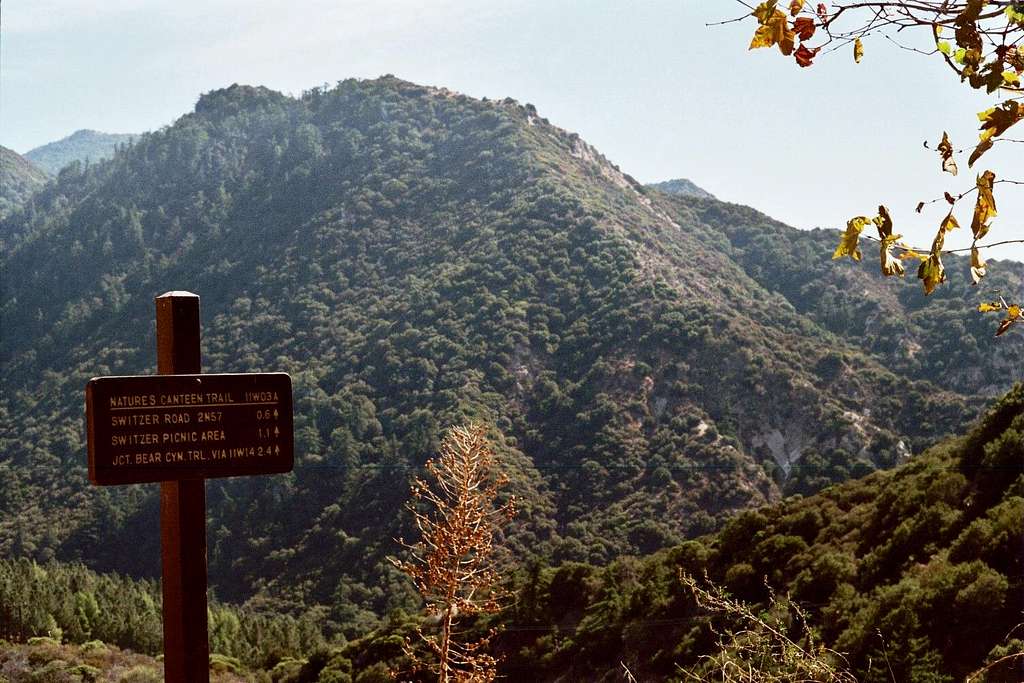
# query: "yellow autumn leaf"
983, 146
908, 254
774, 29
946, 154
978, 268
858, 50
764, 11
795, 6
985, 206
994, 122
849, 244
762, 38
1013, 315
931, 273
948, 223
783, 34
890, 264
989, 307
883, 222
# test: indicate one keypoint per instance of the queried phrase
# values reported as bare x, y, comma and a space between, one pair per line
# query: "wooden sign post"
180, 428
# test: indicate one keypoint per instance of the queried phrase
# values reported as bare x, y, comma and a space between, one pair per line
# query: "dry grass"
775, 646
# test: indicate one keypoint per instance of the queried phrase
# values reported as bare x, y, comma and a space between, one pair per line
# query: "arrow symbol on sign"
277, 450
277, 432
275, 413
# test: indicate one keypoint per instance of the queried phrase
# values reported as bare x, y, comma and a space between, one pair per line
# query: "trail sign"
167, 427
179, 428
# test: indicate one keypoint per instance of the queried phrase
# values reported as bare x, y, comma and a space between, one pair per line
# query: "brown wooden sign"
173, 427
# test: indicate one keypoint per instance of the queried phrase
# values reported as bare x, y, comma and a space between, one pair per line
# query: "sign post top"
177, 333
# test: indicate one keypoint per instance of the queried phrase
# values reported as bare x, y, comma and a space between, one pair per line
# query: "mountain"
681, 187
936, 337
82, 145
416, 258
19, 179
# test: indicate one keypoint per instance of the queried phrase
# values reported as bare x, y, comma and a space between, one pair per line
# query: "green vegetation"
83, 146
416, 258
69, 603
912, 574
19, 179
912, 335
47, 660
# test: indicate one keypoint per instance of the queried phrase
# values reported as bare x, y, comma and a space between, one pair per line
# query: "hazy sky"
647, 83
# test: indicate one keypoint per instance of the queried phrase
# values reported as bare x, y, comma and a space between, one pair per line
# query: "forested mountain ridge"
414, 258
942, 338
82, 146
19, 179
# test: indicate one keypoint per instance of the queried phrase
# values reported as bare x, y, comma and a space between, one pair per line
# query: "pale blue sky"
647, 83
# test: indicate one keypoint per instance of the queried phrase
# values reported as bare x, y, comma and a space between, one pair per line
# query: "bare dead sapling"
457, 512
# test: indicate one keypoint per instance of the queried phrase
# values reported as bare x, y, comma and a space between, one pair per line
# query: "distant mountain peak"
84, 144
682, 187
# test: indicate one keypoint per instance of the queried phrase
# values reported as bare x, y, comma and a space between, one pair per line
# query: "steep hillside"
415, 257
19, 179
912, 574
82, 145
942, 337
